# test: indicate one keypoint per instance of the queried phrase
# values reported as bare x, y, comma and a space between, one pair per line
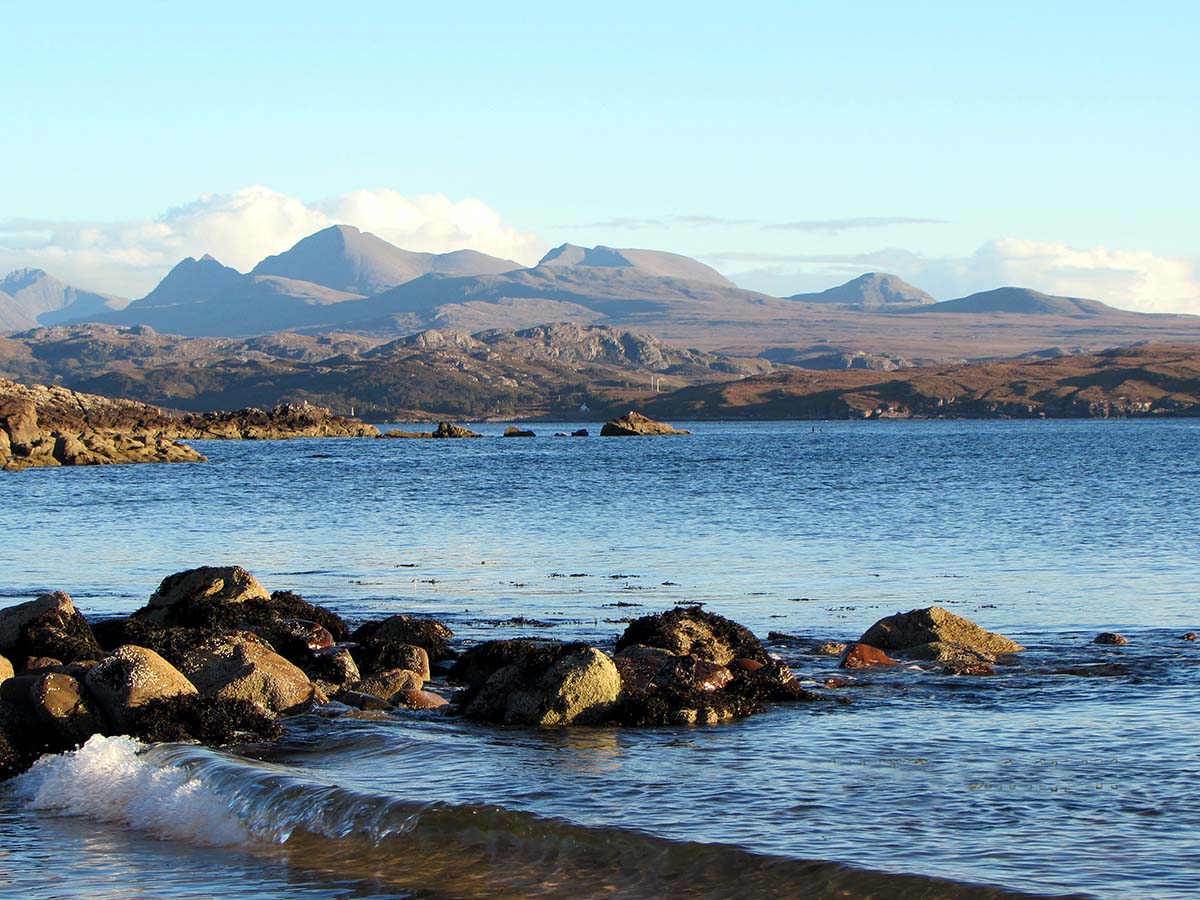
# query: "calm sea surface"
1032, 781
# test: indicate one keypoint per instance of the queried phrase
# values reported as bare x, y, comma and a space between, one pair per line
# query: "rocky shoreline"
214, 658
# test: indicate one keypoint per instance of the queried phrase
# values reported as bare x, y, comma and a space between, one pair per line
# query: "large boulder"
62, 705
243, 666
561, 684
48, 626
420, 630
690, 631
910, 632
634, 424
129, 678
224, 584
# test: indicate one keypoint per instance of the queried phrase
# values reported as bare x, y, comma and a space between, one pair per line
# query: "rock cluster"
214, 657
211, 657
634, 424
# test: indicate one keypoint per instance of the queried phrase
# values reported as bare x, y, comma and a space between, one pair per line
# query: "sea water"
1069, 774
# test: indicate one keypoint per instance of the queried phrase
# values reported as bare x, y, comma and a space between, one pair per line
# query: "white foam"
106, 780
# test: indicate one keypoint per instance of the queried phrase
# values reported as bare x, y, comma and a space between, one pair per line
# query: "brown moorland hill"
1144, 380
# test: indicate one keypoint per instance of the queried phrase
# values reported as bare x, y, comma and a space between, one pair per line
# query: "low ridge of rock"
634, 424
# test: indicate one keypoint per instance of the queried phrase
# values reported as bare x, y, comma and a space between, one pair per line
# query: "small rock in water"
1111, 638
1190, 636
830, 648
513, 431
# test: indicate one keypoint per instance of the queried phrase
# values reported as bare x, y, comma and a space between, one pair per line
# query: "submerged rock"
560, 684
634, 424
419, 699
687, 630
1111, 638
909, 632
864, 656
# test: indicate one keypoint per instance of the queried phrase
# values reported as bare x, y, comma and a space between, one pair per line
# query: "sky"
790, 145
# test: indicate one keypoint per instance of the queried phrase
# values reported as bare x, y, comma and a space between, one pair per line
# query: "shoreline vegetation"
214, 658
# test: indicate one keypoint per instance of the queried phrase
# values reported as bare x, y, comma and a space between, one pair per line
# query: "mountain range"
342, 280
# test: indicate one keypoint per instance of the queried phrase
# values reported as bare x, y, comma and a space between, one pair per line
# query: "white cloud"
1129, 279
239, 229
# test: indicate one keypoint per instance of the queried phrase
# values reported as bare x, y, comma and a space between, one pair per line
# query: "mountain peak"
658, 263
871, 290
346, 259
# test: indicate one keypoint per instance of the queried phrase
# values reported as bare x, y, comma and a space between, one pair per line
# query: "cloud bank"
239, 229
1129, 279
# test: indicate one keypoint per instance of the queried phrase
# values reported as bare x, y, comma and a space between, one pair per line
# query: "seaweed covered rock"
226, 599
170, 642
560, 684
129, 678
19, 745
210, 720
910, 632
649, 668
331, 668
226, 584
48, 626
476, 665
243, 666
422, 631
687, 630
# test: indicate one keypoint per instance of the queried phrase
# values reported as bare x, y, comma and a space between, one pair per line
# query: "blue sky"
790, 144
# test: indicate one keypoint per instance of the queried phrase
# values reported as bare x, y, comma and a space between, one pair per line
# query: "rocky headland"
44, 425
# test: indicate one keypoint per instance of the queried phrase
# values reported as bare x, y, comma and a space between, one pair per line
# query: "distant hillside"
1016, 300
1149, 380
649, 262
870, 291
543, 370
30, 297
356, 262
